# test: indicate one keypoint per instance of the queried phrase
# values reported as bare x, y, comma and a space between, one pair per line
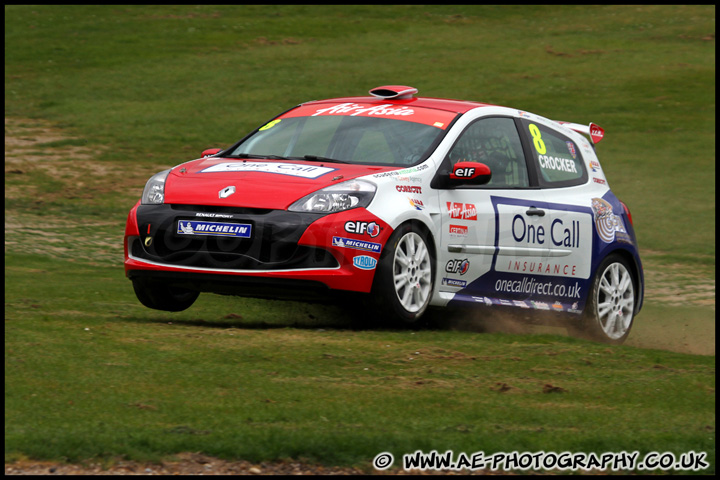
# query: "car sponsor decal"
533, 287
454, 282
428, 116
292, 169
213, 215
458, 231
574, 308
354, 110
361, 228
555, 305
609, 226
403, 172
417, 204
462, 211
540, 305
217, 229
408, 188
364, 262
596, 133
408, 178
356, 244
571, 149
556, 244
458, 266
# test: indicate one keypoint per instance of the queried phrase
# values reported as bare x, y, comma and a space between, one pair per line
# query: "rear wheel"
163, 297
609, 313
404, 279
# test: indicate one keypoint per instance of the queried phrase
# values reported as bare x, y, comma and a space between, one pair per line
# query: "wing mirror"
469, 173
210, 151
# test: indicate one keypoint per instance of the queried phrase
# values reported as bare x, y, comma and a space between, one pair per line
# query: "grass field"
97, 98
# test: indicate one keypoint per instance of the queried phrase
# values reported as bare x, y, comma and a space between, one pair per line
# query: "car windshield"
358, 139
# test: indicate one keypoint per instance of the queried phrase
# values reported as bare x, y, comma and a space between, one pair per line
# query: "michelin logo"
453, 282
356, 244
218, 229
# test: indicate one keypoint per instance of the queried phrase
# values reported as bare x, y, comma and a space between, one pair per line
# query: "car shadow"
478, 320
234, 321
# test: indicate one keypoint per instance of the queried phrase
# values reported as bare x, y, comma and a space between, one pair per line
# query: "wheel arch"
419, 224
636, 271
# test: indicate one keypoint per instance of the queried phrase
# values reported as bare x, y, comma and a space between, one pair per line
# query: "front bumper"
286, 251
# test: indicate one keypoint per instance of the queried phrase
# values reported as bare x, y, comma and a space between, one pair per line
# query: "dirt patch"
678, 285
43, 163
197, 464
35, 146
187, 464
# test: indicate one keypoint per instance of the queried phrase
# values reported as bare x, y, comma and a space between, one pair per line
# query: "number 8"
537, 139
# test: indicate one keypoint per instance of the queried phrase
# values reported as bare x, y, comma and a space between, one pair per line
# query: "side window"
558, 158
495, 142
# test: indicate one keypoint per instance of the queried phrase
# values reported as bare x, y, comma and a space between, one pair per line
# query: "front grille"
220, 209
272, 246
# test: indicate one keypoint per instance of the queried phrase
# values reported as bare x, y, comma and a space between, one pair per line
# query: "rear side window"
557, 157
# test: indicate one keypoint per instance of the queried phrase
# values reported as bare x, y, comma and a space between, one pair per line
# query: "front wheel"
163, 297
610, 309
404, 278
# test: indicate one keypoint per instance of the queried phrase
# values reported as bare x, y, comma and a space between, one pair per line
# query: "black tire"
162, 297
610, 309
404, 279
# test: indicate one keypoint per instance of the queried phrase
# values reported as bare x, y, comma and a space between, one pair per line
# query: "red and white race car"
416, 202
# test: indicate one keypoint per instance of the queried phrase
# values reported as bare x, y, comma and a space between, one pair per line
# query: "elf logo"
361, 228
464, 172
458, 266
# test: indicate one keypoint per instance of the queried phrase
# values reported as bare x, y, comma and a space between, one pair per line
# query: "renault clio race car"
416, 202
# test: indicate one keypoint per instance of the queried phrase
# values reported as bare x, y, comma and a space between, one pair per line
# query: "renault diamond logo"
226, 192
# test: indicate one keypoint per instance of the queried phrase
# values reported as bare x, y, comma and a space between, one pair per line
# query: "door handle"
535, 212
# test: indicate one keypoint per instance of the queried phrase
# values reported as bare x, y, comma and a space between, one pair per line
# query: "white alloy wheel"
611, 307
615, 302
412, 272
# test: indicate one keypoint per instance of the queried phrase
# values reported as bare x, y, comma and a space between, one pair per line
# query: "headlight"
343, 196
154, 192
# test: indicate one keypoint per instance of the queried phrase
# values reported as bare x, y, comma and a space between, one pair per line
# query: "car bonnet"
270, 184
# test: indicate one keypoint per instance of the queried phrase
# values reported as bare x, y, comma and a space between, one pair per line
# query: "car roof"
455, 106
